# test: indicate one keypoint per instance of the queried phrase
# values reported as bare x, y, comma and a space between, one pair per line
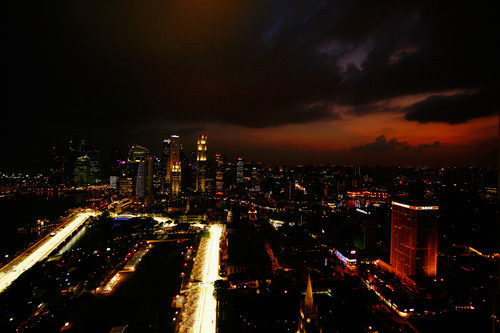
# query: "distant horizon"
366, 82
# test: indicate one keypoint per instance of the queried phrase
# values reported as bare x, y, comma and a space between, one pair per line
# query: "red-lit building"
414, 232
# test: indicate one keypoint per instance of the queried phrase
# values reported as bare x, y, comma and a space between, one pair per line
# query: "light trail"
10, 272
208, 310
205, 315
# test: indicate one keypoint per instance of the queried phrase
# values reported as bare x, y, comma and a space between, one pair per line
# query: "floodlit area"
10, 272
111, 284
200, 312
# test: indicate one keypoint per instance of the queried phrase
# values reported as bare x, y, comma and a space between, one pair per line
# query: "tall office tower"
255, 177
87, 169
159, 172
239, 171
414, 233
58, 163
366, 224
149, 177
81, 171
140, 181
201, 163
95, 172
175, 155
165, 158
219, 173
176, 179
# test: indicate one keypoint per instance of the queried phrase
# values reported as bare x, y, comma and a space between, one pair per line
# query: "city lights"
41, 250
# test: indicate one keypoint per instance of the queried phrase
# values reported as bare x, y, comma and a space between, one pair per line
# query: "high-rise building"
87, 169
414, 233
58, 163
176, 178
159, 172
81, 176
175, 152
149, 185
201, 163
255, 178
140, 180
366, 234
239, 171
219, 173
165, 158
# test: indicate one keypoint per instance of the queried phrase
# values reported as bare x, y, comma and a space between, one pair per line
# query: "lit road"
205, 315
40, 250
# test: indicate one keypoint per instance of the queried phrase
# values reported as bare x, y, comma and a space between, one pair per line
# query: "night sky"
369, 82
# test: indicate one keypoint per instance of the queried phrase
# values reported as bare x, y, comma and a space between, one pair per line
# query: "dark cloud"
238, 62
88, 67
454, 109
382, 145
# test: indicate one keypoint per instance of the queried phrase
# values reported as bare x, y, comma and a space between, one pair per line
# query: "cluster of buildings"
174, 172
75, 165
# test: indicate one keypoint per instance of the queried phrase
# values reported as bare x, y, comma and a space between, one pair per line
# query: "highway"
39, 251
206, 316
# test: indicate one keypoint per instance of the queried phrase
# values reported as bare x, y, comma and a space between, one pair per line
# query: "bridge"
42, 249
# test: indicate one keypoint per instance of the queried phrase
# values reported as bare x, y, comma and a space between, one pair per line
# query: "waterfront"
20, 214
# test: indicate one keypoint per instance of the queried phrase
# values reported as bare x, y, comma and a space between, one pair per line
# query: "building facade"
201, 163
219, 173
414, 233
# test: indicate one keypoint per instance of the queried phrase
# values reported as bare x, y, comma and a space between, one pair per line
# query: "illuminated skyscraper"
140, 181
176, 179
255, 177
239, 171
87, 169
201, 163
219, 173
414, 233
175, 151
165, 158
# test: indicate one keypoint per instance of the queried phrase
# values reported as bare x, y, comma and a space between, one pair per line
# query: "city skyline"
309, 83
231, 166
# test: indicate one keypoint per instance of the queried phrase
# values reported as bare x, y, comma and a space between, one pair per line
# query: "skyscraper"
414, 233
176, 179
58, 163
140, 181
87, 169
255, 177
239, 171
201, 163
149, 186
165, 158
175, 151
219, 173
